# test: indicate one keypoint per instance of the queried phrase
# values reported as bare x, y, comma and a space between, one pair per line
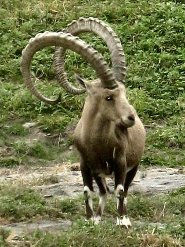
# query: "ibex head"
110, 104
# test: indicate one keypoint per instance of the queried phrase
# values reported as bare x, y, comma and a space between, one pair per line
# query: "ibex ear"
84, 83
80, 80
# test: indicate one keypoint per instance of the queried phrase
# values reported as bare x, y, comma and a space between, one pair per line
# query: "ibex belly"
107, 170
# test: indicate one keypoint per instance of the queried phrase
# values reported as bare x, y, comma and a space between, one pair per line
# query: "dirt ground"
64, 181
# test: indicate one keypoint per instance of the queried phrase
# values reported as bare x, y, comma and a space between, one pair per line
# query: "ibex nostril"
131, 118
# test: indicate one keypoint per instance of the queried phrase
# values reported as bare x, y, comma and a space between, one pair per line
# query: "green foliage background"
152, 34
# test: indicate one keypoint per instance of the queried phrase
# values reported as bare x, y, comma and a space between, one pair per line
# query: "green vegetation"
152, 33
153, 39
157, 220
19, 204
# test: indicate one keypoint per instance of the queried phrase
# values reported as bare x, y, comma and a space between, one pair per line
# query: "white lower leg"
101, 206
123, 219
102, 202
119, 188
88, 201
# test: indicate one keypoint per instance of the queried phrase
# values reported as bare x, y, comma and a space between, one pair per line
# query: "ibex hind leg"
88, 189
129, 178
88, 202
102, 198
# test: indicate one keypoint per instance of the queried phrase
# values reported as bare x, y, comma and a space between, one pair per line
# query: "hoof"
124, 221
96, 220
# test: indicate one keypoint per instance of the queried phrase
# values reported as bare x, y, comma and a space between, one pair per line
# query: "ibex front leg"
88, 189
120, 176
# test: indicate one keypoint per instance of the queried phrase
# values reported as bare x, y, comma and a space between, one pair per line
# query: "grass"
157, 220
19, 204
106, 235
153, 37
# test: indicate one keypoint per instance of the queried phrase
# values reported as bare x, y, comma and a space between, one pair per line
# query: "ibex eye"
108, 98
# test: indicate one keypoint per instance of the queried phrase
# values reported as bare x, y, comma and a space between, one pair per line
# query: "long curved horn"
107, 34
67, 41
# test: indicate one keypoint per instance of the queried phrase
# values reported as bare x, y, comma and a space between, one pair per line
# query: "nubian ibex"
110, 137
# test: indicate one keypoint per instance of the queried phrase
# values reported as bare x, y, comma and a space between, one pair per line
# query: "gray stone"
29, 125
44, 225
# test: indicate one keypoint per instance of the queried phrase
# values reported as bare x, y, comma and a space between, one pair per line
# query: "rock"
19, 229
150, 181
160, 180
29, 125
69, 180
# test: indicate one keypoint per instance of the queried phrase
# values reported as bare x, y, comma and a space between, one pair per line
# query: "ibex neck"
96, 126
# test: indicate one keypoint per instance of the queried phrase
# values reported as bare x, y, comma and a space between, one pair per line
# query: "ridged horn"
107, 34
67, 41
